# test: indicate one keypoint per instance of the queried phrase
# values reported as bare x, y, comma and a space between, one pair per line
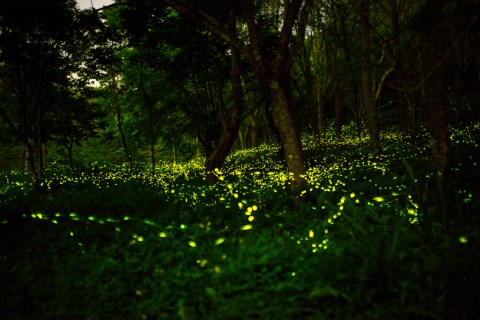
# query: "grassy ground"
383, 239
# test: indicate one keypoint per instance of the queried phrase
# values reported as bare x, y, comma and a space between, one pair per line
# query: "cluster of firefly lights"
334, 178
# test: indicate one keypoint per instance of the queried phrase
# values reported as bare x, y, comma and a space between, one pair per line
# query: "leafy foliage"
366, 242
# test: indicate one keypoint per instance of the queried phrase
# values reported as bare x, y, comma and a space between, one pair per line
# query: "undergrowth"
375, 238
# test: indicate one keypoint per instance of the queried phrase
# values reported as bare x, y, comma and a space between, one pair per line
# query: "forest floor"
373, 238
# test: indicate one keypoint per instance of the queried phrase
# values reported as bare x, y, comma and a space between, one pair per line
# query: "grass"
375, 240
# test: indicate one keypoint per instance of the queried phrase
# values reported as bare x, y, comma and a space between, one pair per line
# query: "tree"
34, 56
230, 123
368, 89
313, 69
77, 118
434, 52
45, 63
115, 89
272, 73
463, 77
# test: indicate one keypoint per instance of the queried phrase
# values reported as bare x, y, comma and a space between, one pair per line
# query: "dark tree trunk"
322, 128
41, 158
369, 99
118, 116
39, 142
398, 72
151, 133
312, 101
357, 109
433, 55
30, 158
231, 123
70, 155
273, 128
254, 131
338, 109
123, 139
22, 133
401, 109
295, 111
149, 105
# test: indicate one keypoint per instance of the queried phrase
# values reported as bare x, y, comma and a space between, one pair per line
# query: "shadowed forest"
240, 159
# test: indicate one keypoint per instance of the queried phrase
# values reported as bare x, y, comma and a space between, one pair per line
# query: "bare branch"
300, 38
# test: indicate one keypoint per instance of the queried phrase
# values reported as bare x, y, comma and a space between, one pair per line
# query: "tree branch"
282, 55
256, 57
300, 38
223, 32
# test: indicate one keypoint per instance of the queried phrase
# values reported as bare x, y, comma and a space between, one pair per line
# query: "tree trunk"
414, 106
434, 67
271, 73
322, 128
254, 133
39, 141
123, 140
149, 105
371, 111
398, 72
290, 140
241, 138
369, 99
338, 109
401, 108
230, 126
318, 97
22, 133
295, 111
312, 101
30, 157
357, 109
41, 158
271, 125
70, 155
151, 133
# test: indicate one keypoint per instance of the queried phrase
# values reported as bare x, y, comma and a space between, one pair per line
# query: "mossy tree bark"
291, 143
